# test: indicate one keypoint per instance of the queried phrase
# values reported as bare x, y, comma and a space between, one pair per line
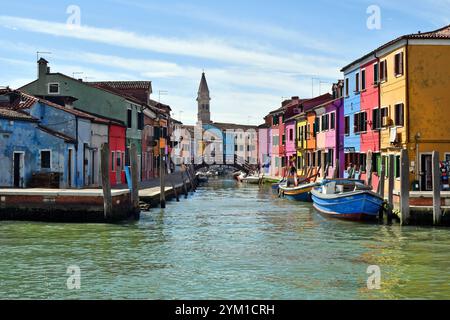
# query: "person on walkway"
292, 176
351, 171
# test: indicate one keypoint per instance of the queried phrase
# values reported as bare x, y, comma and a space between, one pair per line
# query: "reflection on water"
224, 242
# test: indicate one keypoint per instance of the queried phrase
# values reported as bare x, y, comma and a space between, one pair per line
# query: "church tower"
203, 100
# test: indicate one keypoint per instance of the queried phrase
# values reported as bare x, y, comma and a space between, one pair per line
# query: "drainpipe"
408, 126
76, 152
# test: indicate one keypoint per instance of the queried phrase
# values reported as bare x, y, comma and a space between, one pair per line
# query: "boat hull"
362, 205
302, 193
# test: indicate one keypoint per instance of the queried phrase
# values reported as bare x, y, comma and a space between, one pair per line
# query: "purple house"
330, 133
291, 147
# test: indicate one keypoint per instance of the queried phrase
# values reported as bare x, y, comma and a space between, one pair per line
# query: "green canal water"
224, 242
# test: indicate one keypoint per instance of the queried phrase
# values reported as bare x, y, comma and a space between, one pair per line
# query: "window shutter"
400, 64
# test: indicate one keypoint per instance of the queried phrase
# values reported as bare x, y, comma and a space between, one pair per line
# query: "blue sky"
254, 52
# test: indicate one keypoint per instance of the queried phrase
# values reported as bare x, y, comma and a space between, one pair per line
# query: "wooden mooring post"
381, 189
106, 183
162, 182
336, 170
134, 179
175, 191
184, 185
437, 212
404, 187
391, 187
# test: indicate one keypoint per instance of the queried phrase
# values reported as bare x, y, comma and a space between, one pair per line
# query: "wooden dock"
63, 205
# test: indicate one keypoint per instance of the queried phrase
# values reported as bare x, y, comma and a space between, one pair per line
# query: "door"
426, 172
18, 170
69, 168
93, 167
119, 167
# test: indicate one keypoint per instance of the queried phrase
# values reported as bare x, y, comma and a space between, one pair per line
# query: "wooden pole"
184, 186
437, 212
162, 182
404, 187
134, 178
391, 187
175, 191
106, 183
336, 170
382, 180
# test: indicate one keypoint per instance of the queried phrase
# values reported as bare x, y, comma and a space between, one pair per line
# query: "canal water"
224, 242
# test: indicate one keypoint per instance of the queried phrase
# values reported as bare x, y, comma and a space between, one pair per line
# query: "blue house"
75, 124
352, 121
28, 150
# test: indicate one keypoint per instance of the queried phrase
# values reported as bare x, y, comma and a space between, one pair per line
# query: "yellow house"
301, 143
414, 77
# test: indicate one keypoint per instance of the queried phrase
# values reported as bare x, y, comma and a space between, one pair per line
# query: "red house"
370, 106
117, 139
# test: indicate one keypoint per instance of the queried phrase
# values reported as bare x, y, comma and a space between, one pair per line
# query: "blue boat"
347, 199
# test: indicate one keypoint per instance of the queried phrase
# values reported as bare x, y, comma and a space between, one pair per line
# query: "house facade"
96, 99
29, 151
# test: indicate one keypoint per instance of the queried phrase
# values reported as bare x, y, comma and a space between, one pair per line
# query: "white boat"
252, 179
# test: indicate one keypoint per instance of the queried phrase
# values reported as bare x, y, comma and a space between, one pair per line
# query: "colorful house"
329, 140
264, 147
354, 120
30, 152
95, 98
411, 76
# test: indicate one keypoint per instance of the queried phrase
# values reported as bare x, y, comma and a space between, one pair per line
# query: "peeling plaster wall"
22, 136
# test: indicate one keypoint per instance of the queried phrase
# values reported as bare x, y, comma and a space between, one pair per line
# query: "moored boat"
347, 199
299, 193
201, 178
252, 179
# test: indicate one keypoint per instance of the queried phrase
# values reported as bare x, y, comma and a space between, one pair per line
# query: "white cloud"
206, 48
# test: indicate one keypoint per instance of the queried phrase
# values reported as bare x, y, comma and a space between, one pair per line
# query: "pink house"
291, 150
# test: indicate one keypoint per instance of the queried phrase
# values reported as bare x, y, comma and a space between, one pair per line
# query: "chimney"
43, 68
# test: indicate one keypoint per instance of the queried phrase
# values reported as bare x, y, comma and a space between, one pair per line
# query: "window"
323, 123
333, 121
399, 64
347, 90
129, 119
384, 113
376, 119
356, 122
316, 127
399, 114
363, 79
140, 120
362, 162
283, 140
113, 161
363, 119
347, 125
397, 167
357, 82
119, 159
360, 122
291, 135
46, 159
376, 73
53, 88
308, 131
276, 120
383, 70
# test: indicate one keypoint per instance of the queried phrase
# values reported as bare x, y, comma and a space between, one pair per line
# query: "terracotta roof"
125, 85
232, 126
26, 101
11, 114
442, 33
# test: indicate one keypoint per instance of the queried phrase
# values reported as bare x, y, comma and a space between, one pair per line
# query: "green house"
104, 102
